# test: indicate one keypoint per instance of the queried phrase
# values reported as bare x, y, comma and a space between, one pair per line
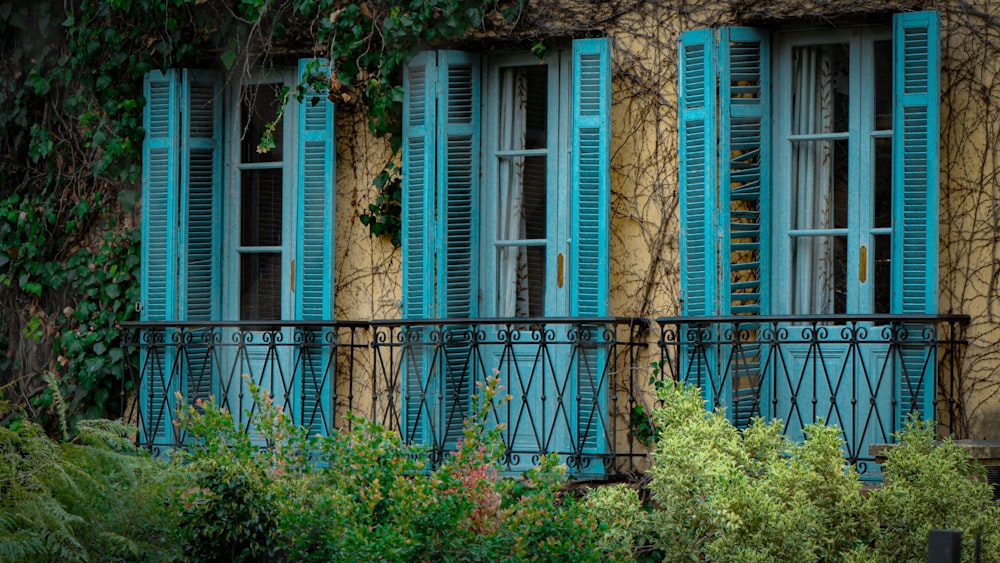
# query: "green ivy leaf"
228, 58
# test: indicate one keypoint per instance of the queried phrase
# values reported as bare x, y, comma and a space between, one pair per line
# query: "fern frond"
40, 525
58, 402
110, 434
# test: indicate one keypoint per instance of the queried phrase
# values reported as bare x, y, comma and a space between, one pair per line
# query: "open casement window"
808, 173
505, 216
226, 232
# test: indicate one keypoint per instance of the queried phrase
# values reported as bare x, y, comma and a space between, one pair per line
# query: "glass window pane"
260, 286
522, 205
523, 107
819, 275
881, 274
260, 207
521, 281
819, 184
820, 86
883, 183
259, 106
883, 85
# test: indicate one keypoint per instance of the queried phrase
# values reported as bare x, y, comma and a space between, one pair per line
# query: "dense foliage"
713, 495
94, 497
70, 143
720, 494
361, 495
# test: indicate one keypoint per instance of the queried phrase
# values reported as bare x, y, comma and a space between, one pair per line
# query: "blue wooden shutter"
418, 185
590, 217
160, 186
158, 290
916, 46
744, 182
744, 157
314, 255
698, 162
417, 236
200, 220
698, 165
916, 63
458, 138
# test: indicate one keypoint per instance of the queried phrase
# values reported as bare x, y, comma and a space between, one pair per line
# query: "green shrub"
719, 494
362, 495
228, 508
229, 514
94, 497
929, 485
619, 510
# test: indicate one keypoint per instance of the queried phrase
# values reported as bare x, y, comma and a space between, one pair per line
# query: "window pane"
819, 275
820, 86
819, 184
260, 208
259, 106
883, 183
260, 286
883, 85
522, 204
521, 281
882, 274
523, 107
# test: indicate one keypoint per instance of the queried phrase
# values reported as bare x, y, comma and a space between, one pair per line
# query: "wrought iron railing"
567, 384
580, 388
867, 374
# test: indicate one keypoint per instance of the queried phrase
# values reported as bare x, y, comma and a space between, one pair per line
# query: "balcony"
580, 388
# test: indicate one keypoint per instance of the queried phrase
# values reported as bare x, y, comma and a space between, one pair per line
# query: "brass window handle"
863, 264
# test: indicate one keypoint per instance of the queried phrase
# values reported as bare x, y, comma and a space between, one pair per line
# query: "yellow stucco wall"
644, 211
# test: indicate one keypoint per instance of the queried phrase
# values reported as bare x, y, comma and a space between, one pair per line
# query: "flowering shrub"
362, 495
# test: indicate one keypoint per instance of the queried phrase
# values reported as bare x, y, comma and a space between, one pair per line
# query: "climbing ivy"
70, 146
369, 43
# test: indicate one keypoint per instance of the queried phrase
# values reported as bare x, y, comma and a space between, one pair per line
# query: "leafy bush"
93, 497
228, 508
716, 494
362, 495
928, 485
722, 495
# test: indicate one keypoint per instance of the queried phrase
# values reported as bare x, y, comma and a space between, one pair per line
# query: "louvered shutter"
724, 177
458, 138
590, 217
160, 186
698, 163
199, 219
744, 157
744, 148
698, 166
916, 63
314, 255
418, 186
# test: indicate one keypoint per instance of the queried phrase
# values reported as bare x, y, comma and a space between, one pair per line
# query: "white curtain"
812, 176
512, 262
